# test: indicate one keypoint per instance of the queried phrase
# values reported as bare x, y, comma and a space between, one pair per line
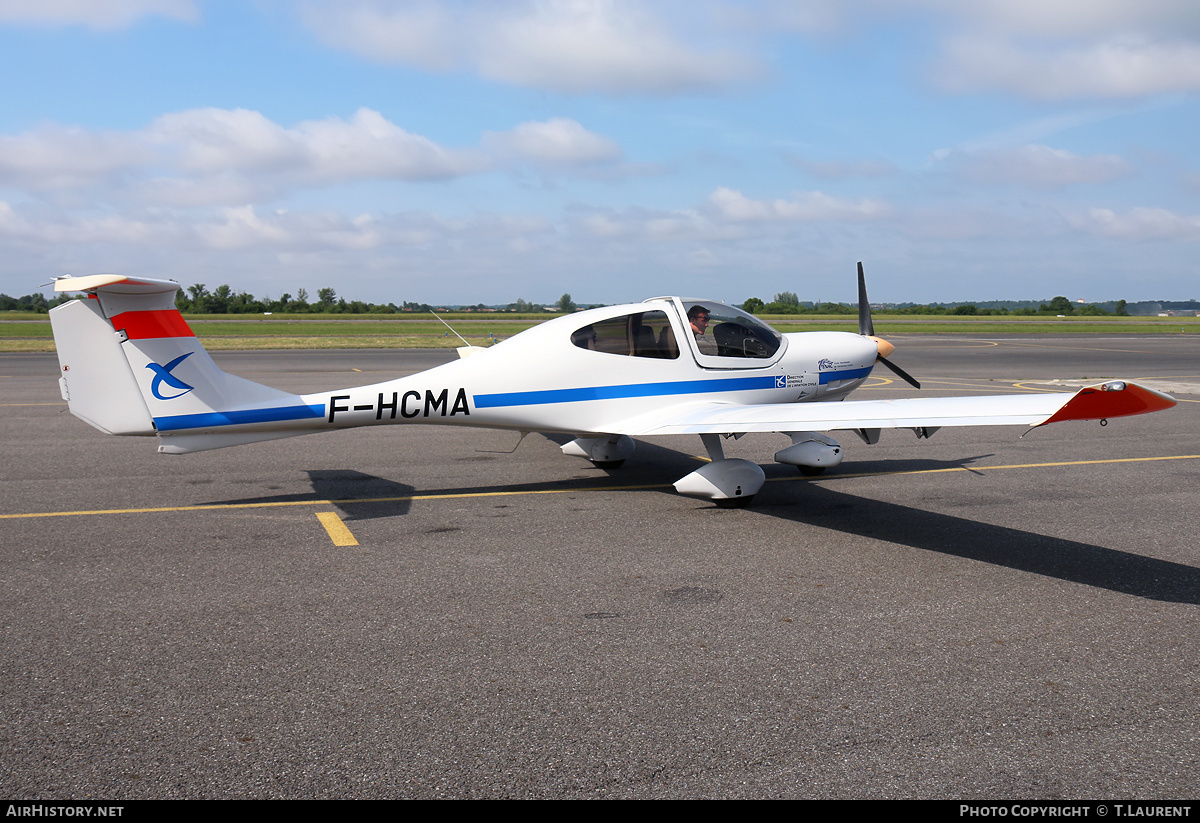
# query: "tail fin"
131, 365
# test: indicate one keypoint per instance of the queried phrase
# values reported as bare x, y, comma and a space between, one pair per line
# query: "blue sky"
468, 151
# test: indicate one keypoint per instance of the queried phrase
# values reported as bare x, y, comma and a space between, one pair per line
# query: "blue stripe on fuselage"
531, 398
845, 374
235, 417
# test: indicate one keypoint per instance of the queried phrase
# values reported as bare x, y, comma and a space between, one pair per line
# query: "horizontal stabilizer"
188, 443
114, 283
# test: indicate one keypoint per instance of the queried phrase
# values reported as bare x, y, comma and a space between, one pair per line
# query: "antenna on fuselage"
456, 334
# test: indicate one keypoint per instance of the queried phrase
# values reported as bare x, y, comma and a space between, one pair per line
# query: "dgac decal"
409, 405
162, 374
792, 381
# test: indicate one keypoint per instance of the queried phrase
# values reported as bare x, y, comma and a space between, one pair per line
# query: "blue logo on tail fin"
162, 374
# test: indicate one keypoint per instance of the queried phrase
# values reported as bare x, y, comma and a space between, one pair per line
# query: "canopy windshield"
723, 331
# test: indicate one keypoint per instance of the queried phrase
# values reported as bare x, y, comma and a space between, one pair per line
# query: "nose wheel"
730, 482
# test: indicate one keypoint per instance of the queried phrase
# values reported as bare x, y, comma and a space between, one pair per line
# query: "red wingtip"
1113, 399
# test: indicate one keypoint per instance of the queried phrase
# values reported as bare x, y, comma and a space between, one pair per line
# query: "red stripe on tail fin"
147, 325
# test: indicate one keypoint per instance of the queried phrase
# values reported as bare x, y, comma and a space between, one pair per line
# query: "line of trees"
788, 303
197, 299
31, 302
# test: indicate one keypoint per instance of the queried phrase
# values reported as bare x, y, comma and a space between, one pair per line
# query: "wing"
1113, 399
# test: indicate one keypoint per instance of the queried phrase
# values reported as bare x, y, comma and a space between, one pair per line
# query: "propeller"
867, 329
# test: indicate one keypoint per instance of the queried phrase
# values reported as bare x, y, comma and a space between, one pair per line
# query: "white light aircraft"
130, 365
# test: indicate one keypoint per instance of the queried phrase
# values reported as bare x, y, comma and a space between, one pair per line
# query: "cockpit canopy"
718, 336
730, 332
641, 334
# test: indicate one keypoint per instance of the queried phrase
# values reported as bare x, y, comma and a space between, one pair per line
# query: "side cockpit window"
644, 334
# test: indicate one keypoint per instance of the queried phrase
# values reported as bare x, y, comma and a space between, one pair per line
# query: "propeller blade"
867, 329
901, 373
865, 326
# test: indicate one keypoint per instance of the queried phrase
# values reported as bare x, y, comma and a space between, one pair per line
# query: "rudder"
94, 376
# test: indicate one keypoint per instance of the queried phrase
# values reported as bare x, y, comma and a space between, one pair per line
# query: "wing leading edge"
1112, 399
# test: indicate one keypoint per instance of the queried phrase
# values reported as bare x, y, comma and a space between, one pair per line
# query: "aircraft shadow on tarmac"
1069, 560
361, 496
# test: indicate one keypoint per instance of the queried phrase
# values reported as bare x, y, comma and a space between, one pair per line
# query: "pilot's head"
698, 315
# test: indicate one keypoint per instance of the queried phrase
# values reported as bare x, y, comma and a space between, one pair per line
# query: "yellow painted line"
1073, 389
1060, 390
1013, 466
1022, 344
161, 509
911, 342
991, 386
338, 531
521, 492
277, 504
928, 385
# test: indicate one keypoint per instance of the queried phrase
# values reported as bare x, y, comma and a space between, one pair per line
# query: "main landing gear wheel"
604, 452
810, 471
727, 482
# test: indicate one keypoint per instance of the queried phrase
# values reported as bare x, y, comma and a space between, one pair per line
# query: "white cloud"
41, 229
53, 157
231, 156
248, 228
841, 169
1120, 66
1067, 48
241, 228
368, 145
218, 188
1041, 49
556, 142
573, 46
96, 14
1067, 18
1035, 166
1139, 224
642, 224
805, 206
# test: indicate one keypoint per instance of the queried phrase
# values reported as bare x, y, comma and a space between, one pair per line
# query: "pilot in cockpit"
698, 316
